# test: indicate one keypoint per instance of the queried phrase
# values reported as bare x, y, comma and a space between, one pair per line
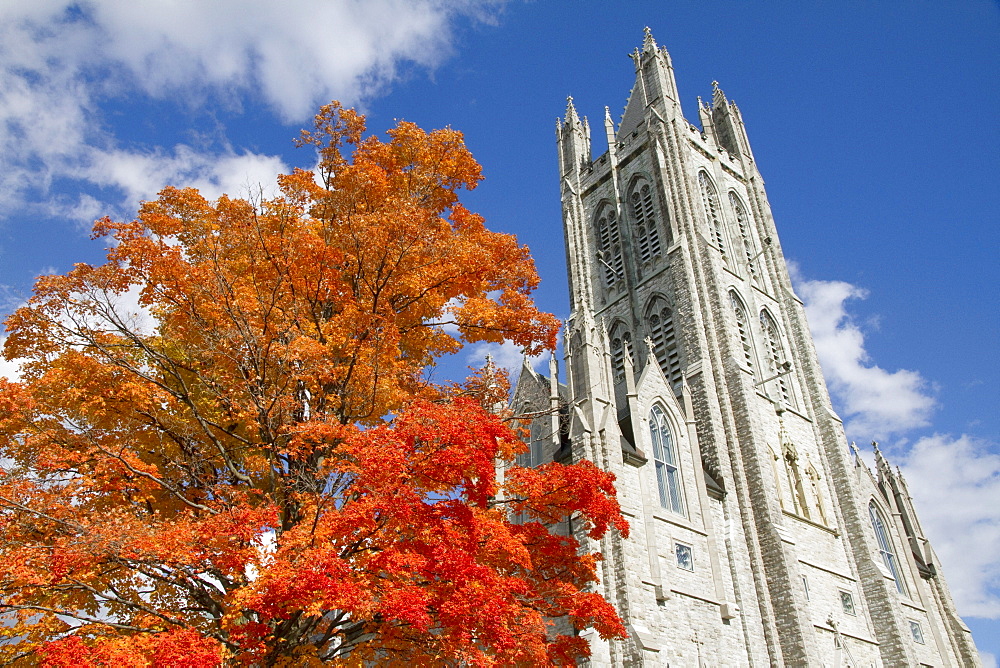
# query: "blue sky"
875, 126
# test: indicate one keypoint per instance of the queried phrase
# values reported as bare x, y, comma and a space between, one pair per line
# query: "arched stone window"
743, 331
668, 479
647, 234
746, 236
609, 247
710, 198
885, 545
536, 445
660, 320
621, 339
774, 354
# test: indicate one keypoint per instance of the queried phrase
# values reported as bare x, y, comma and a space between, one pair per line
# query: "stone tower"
758, 537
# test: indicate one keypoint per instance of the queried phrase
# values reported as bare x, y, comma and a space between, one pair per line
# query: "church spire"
654, 87
718, 97
722, 120
574, 139
571, 115
648, 43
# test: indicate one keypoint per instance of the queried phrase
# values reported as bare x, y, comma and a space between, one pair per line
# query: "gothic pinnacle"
718, 97
648, 43
571, 115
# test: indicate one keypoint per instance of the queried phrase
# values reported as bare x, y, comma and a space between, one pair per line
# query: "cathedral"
759, 537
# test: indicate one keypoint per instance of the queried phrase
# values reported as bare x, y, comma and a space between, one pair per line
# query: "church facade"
758, 536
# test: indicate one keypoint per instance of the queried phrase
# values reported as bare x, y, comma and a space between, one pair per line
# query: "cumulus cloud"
141, 175
61, 59
875, 403
955, 483
505, 355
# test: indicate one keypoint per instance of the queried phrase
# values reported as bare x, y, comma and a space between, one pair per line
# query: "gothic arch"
744, 225
641, 205
607, 234
620, 339
743, 330
713, 209
775, 355
886, 546
659, 318
663, 447
883, 539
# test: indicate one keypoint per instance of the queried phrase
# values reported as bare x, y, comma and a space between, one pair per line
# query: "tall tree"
250, 464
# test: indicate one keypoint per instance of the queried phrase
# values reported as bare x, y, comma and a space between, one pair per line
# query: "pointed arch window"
661, 331
668, 479
710, 198
621, 339
609, 247
746, 238
774, 353
536, 445
646, 233
885, 545
743, 331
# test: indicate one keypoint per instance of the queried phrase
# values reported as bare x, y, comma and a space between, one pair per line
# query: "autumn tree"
225, 446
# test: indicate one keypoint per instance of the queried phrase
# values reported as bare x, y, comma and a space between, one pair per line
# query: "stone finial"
854, 449
648, 43
878, 453
649, 344
718, 97
881, 463
571, 115
525, 363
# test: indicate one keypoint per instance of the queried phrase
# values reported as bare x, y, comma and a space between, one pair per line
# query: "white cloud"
505, 355
141, 175
298, 53
876, 403
60, 60
8, 369
989, 661
955, 483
